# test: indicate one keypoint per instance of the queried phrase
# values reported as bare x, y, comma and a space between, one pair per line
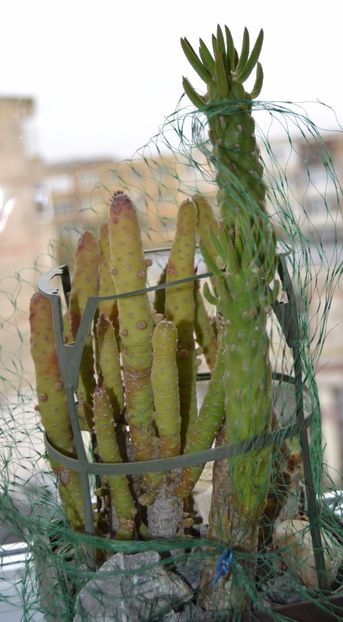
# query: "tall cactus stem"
246, 245
129, 269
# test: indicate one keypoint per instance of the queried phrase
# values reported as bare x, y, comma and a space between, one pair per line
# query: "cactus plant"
246, 247
149, 376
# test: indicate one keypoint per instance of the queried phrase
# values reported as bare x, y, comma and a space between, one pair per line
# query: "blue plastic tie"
223, 566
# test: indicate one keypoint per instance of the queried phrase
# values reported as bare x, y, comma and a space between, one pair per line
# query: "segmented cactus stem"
246, 245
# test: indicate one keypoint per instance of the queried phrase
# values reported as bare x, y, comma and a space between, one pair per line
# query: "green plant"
246, 249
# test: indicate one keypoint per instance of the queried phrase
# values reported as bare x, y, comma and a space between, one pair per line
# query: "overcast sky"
105, 74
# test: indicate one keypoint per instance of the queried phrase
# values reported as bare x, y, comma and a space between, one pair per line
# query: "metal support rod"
292, 335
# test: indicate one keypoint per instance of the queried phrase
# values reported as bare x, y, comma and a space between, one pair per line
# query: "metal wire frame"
69, 358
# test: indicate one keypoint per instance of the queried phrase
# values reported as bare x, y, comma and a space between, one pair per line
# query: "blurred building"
17, 211
308, 176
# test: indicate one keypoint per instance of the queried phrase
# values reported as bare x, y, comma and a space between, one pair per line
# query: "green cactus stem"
52, 405
165, 385
165, 514
129, 270
84, 284
106, 283
108, 451
246, 245
202, 431
208, 227
108, 363
204, 329
180, 309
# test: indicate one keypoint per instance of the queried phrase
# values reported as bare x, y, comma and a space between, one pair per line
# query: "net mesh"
254, 528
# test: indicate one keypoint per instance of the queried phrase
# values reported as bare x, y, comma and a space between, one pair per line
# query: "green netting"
179, 384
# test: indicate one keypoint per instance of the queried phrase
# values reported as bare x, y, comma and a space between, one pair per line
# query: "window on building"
42, 201
59, 183
88, 178
318, 205
62, 206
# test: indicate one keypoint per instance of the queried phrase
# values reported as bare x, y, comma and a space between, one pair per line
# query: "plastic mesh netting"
165, 462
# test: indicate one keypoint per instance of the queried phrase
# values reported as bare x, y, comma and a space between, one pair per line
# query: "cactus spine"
52, 404
247, 249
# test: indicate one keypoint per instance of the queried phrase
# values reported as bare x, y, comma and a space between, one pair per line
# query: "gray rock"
285, 589
190, 567
131, 588
165, 515
190, 613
